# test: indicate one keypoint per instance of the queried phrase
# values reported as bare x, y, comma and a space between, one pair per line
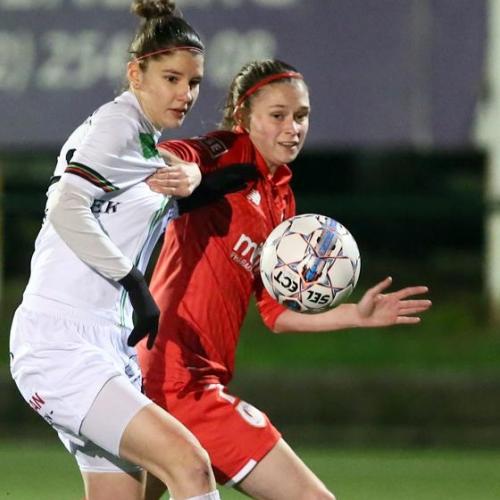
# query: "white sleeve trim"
69, 211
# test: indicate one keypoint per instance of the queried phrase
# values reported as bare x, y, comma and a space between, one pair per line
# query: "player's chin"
173, 121
289, 156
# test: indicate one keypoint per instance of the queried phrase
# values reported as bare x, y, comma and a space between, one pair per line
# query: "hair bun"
150, 9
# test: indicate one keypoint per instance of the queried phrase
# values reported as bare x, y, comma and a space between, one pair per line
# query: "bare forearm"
342, 317
375, 309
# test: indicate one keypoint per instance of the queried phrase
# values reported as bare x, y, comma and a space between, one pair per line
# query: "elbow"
283, 323
278, 327
63, 206
54, 211
272, 326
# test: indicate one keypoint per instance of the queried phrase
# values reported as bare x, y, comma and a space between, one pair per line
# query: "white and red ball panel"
310, 263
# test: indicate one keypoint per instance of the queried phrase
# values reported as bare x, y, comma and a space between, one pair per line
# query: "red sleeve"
183, 149
268, 307
214, 150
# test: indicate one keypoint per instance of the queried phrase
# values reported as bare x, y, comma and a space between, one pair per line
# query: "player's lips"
179, 112
289, 144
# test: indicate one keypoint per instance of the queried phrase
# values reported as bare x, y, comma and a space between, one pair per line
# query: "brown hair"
249, 76
160, 29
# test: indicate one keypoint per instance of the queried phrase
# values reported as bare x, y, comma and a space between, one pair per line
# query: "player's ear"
134, 74
242, 119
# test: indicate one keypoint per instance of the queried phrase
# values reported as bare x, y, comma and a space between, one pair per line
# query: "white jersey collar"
130, 98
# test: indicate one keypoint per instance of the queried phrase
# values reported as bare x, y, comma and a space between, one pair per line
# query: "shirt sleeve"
69, 211
268, 307
114, 153
184, 149
209, 152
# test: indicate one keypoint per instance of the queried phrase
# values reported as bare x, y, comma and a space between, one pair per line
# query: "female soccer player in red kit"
207, 272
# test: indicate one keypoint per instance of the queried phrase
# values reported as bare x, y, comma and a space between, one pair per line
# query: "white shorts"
60, 361
114, 407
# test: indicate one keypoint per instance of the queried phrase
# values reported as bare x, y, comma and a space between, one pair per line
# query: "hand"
179, 178
214, 185
146, 312
395, 308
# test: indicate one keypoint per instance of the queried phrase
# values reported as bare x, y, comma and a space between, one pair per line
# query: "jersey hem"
52, 307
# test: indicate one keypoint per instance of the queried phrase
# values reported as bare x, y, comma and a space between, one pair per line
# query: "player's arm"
88, 172
216, 180
91, 170
375, 309
69, 211
181, 177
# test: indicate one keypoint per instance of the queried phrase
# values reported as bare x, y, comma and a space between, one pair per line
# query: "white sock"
214, 495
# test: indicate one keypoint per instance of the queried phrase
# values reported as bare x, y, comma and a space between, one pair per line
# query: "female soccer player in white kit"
72, 353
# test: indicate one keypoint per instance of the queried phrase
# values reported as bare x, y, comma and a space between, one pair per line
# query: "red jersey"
208, 268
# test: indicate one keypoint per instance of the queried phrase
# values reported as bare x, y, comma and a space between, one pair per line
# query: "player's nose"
292, 127
185, 94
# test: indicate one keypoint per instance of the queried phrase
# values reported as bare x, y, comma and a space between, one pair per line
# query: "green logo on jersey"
148, 146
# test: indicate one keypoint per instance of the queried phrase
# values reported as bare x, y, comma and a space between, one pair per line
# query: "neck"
137, 95
272, 168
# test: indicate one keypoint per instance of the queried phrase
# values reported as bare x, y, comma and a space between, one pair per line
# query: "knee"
198, 461
192, 467
189, 475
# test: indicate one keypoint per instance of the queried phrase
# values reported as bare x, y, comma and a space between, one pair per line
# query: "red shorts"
235, 434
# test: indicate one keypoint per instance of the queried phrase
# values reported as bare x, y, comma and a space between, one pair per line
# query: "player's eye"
171, 78
195, 83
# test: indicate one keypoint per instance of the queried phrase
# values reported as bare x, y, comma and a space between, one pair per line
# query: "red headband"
265, 81
170, 49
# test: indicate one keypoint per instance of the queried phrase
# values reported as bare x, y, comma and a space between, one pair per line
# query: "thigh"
124, 423
92, 458
282, 475
159, 443
113, 409
58, 372
235, 434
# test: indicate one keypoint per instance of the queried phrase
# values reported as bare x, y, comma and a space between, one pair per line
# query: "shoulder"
223, 145
123, 110
120, 126
214, 148
214, 144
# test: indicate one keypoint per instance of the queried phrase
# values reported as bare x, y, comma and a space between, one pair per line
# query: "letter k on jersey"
104, 206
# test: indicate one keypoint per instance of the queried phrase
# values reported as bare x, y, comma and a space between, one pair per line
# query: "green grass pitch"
45, 471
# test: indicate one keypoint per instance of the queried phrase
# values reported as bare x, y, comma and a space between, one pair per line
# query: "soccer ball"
310, 263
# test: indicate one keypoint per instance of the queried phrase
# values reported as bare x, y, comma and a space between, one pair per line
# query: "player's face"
279, 120
168, 87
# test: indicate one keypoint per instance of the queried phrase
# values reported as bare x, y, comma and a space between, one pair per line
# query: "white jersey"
109, 156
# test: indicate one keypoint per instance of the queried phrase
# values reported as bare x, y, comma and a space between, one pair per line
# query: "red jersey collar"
281, 176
